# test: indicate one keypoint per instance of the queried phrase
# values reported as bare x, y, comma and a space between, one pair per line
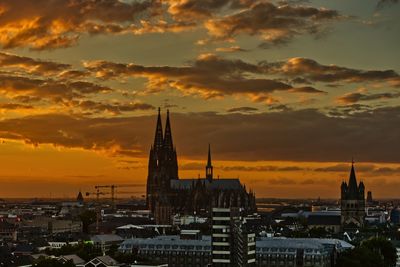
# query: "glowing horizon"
285, 102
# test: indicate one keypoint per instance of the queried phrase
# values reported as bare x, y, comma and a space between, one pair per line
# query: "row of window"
167, 247
308, 250
173, 253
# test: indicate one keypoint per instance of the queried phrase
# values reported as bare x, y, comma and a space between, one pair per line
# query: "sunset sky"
286, 92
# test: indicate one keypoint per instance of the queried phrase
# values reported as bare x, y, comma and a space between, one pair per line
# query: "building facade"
168, 195
174, 250
352, 202
233, 243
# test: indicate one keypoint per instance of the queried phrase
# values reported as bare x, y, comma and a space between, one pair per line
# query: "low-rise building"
330, 222
298, 252
174, 250
104, 242
103, 261
8, 231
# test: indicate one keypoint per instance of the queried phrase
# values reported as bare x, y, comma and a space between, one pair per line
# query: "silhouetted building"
395, 216
352, 202
8, 231
79, 198
330, 222
168, 195
370, 200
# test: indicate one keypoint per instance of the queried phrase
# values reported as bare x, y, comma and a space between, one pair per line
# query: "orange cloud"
45, 25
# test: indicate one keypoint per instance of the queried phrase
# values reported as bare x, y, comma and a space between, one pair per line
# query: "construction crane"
113, 192
97, 207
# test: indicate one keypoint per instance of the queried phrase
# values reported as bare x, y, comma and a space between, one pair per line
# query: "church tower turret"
209, 167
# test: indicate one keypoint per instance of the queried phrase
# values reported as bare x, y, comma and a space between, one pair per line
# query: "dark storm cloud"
243, 109
117, 136
311, 70
345, 168
208, 76
304, 135
214, 76
31, 65
12, 106
351, 98
383, 3
192, 166
282, 181
367, 169
55, 90
274, 24
114, 108
264, 168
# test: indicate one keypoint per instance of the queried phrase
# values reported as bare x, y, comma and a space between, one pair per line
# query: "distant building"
74, 258
395, 216
104, 242
370, 200
8, 231
60, 244
168, 195
330, 222
103, 261
54, 226
187, 219
79, 198
352, 202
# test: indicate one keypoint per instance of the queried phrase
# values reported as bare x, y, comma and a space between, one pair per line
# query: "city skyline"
285, 92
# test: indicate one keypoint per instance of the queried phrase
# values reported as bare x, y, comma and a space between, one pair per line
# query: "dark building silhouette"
352, 202
168, 195
370, 200
395, 216
79, 198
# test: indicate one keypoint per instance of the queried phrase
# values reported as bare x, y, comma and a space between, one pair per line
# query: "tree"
371, 253
87, 217
46, 262
384, 248
359, 257
84, 251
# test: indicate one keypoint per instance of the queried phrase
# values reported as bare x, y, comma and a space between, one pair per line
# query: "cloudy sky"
286, 92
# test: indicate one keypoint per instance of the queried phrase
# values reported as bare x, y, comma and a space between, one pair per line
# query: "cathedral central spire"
209, 167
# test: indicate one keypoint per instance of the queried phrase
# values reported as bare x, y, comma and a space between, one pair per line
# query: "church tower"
209, 167
352, 202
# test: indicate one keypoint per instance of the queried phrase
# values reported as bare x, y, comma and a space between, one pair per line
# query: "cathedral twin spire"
209, 167
163, 144
163, 140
